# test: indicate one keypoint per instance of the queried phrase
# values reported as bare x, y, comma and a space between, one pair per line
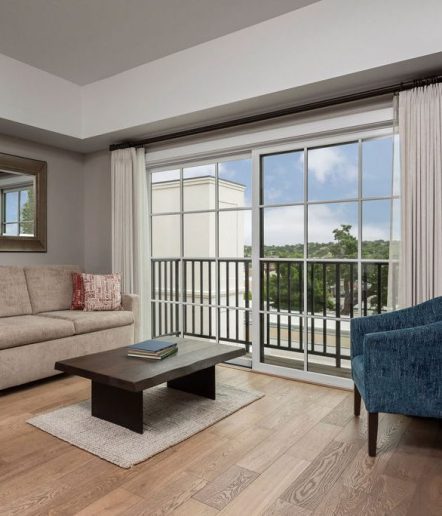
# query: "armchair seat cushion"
87, 322
30, 329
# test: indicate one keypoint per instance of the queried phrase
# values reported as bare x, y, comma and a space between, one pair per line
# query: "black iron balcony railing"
215, 296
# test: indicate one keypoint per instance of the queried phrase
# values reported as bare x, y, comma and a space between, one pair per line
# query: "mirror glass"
23, 198
17, 201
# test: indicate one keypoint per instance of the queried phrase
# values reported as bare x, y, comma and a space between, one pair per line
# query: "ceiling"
87, 40
360, 81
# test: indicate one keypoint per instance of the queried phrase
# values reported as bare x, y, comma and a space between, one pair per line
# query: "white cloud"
371, 232
331, 164
324, 218
285, 225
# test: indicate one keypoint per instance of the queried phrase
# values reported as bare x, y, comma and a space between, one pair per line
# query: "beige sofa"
37, 327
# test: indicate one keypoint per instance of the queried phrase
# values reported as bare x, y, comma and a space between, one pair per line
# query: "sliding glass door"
280, 248
326, 228
201, 236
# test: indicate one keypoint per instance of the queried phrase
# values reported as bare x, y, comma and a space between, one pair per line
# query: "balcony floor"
298, 450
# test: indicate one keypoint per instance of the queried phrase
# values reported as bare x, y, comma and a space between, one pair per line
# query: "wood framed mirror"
23, 198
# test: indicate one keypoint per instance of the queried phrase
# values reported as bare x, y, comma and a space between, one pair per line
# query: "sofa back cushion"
14, 295
50, 287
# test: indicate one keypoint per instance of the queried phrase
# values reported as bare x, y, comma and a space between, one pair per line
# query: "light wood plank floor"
298, 450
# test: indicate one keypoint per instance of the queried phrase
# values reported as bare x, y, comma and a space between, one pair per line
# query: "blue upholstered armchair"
397, 364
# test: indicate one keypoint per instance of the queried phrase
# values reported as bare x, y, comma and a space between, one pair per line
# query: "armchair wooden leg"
372, 433
357, 401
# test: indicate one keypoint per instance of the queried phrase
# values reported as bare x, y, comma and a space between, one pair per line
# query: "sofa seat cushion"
14, 296
29, 329
87, 322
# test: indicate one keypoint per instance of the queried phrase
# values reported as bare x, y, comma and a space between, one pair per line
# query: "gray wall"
65, 204
97, 211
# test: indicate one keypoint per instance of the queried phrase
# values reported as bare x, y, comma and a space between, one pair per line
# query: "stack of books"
152, 349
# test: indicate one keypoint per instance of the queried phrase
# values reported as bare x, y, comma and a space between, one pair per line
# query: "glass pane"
375, 288
166, 236
24, 196
234, 325
11, 207
333, 172
235, 283
27, 228
376, 228
333, 230
200, 281
11, 229
282, 286
199, 188
27, 212
282, 337
235, 233
235, 184
165, 191
200, 321
199, 234
283, 178
328, 348
165, 282
332, 289
395, 230
165, 319
283, 231
377, 167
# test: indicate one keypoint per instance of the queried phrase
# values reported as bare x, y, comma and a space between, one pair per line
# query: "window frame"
257, 156
38, 171
3, 223
340, 136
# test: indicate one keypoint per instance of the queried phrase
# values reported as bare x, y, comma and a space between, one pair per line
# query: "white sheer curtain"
129, 224
420, 132
395, 220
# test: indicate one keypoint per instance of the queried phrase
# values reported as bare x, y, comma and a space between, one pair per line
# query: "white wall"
33, 97
97, 212
297, 54
79, 207
326, 40
65, 204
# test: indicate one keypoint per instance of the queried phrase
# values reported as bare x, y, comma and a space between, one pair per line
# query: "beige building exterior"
200, 241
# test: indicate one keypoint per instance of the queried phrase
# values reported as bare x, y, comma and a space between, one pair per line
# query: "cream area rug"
170, 416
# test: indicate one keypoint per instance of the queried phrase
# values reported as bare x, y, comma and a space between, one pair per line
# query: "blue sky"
12, 207
332, 175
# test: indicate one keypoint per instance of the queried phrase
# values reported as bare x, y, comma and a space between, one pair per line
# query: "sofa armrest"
403, 370
131, 303
424, 313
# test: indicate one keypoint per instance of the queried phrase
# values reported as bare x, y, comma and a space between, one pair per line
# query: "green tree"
346, 246
287, 280
27, 214
322, 288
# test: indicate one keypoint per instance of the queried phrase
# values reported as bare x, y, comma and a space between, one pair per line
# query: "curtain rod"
237, 122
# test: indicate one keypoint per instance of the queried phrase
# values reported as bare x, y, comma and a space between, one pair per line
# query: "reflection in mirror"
17, 201
23, 199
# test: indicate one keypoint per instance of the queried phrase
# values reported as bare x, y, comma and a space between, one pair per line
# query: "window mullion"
305, 267
360, 214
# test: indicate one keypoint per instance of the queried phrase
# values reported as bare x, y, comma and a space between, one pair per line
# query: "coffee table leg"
124, 408
201, 383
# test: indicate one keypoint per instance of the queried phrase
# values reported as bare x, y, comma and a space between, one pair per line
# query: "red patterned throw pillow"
102, 292
77, 291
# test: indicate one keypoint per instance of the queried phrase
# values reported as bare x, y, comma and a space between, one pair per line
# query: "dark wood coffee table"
118, 381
